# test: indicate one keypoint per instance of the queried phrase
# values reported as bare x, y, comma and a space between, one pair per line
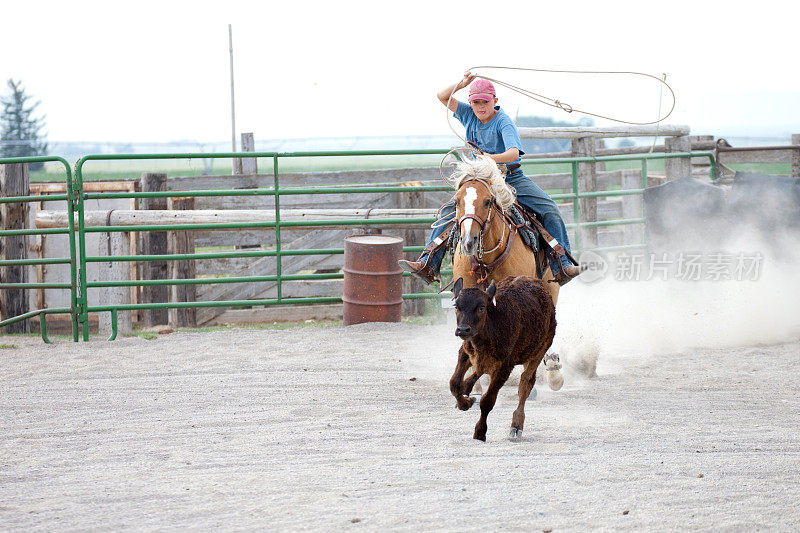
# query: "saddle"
555, 251
533, 235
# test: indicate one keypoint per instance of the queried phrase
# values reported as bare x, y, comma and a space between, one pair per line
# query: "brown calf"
508, 325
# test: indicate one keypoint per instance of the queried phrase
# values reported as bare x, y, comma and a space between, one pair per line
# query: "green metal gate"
80, 306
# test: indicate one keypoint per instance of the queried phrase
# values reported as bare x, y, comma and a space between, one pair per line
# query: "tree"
21, 132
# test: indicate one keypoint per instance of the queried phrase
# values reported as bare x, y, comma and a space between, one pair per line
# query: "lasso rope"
553, 102
660, 91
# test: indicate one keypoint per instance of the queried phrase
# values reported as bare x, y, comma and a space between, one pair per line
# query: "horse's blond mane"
485, 169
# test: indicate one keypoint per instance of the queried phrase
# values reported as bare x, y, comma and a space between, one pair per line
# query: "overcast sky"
159, 71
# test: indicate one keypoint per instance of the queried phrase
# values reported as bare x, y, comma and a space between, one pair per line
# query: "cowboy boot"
567, 274
419, 270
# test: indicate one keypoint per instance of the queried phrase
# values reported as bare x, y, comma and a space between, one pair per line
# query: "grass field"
133, 169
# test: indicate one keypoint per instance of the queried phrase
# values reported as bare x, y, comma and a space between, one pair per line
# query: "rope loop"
562, 105
553, 102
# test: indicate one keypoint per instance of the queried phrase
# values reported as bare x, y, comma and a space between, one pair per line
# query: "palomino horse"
489, 247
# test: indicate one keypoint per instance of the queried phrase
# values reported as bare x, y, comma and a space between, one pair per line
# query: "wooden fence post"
632, 207
599, 144
114, 244
154, 243
796, 155
249, 164
182, 242
14, 181
701, 166
412, 237
678, 167
587, 182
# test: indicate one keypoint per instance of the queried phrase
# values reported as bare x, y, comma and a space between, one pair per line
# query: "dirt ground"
353, 428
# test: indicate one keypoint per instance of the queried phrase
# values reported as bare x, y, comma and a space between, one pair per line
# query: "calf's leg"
526, 382
463, 402
499, 377
470, 382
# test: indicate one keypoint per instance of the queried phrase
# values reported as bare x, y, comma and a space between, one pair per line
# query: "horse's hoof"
553, 365
555, 379
515, 433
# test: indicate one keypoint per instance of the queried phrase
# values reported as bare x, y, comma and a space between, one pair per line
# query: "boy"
496, 134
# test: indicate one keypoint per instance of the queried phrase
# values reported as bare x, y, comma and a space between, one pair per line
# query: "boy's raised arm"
444, 94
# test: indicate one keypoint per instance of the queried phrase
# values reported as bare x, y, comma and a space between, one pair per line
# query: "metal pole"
277, 227
72, 203
233, 107
576, 206
83, 298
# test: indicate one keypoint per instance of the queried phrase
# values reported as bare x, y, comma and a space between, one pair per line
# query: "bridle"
479, 269
482, 224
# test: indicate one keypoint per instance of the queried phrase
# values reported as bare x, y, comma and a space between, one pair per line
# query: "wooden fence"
592, 177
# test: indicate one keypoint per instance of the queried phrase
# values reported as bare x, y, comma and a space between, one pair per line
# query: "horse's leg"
499, 376
547, 275
463, 401
552, 362
526, 382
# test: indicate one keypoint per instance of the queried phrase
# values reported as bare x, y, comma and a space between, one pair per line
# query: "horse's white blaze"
469, 208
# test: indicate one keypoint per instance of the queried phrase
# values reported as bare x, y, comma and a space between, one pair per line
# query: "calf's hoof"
465, 403
480, 431
515, 433
481, 437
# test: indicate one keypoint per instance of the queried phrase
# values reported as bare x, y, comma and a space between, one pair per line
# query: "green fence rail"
79, 284
276, 191
70, 198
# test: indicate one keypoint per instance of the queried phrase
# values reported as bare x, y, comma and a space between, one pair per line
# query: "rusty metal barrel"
373, 281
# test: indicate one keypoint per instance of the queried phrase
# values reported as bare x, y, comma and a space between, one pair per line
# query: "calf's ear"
457, 286
491, 289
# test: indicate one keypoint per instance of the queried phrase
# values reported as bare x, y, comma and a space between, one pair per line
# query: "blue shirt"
494, 137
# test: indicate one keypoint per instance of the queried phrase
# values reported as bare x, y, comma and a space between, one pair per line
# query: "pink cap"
481, 90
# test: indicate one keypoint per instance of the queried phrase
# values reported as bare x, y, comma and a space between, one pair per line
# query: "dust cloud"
723, 275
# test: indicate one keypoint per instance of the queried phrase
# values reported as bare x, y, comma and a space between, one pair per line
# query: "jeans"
528, 194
